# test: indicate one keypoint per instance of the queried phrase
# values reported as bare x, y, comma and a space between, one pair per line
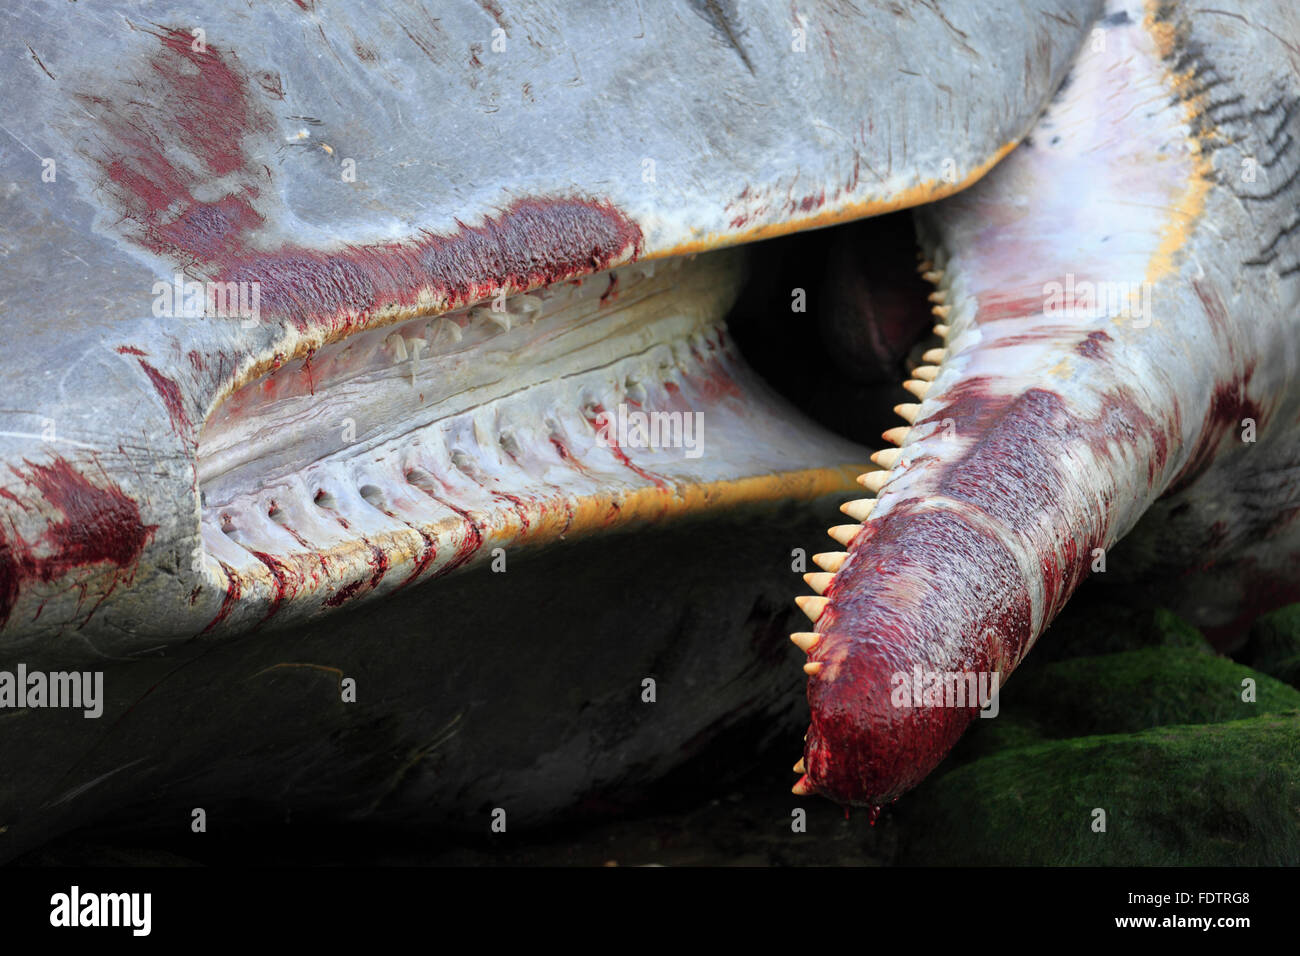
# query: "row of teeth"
446, 331
932, 270
448, 455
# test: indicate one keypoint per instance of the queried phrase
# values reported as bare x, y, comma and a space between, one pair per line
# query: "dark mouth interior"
867, 319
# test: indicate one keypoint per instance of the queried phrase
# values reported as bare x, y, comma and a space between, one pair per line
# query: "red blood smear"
170, 393
180, 123
1093, 345
617, 451
379, 565
994, 307
611, 292
1229, 405
192, 120
344, 594
100, 525
921, 579
280, 582
228, 603
379, 561
518, 506
933, 588
469, 544
533, 242
422, 562
211, 100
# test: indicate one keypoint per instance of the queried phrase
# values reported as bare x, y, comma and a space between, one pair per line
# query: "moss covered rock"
1204, 794
1125, 692
1274, 645
1135, 690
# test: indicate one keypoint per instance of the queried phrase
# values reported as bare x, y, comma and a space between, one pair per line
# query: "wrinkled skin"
176, 499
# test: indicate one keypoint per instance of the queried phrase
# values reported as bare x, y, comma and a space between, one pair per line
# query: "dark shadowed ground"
1121, 708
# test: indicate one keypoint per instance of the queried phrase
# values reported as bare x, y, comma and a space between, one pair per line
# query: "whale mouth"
496, 301
404, 452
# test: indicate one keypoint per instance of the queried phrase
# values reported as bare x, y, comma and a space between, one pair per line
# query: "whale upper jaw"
322, 174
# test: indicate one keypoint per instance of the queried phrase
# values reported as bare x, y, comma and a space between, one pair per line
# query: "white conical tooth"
935, 356
941, 331
887, 457
812, 668
812, 606
524, 304
941, 311
806, 640
932, 275
907, 412
860, 509
397, 345
819, 581
830, 561
442, 330
873, 481
895, 436
938, 296
926, 373
844, 533
917, 388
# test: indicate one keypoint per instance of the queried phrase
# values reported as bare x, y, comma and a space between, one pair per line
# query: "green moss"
1206, 794
1274, 645
1118, 693
1129, 712
1134, 690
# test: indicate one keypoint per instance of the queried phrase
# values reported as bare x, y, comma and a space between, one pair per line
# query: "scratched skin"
1048, 433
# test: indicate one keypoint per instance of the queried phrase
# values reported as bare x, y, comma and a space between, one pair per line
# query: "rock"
1203, 794
1136, 690
1274, 645
1124, 692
